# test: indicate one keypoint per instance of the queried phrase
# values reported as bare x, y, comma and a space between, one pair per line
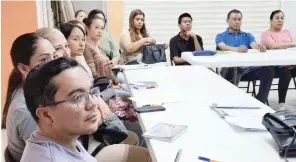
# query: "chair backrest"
7, 156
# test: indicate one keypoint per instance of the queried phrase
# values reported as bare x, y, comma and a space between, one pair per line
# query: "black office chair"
7, 156
293, 73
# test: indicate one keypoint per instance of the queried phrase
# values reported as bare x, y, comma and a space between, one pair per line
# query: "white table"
208, 135
233, 59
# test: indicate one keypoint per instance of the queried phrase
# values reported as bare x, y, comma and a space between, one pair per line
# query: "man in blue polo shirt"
236, 40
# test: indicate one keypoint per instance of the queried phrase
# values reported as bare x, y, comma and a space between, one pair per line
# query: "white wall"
289, 9
209, 17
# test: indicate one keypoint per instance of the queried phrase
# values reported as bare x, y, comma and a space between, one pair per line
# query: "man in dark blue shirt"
236, 40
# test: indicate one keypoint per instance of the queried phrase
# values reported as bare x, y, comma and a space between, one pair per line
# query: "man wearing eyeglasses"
61, 99
185, 41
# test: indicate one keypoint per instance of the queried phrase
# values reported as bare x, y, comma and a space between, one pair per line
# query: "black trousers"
265, 75
284, 75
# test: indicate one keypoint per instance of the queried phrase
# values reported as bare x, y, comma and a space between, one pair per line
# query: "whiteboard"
289, 9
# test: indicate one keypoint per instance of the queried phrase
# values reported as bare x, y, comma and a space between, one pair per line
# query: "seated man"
233, 39
61, 99
185, 41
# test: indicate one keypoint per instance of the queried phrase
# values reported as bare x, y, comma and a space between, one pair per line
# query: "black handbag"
102, 83
107, 135
154, 53
282, 125
135, 62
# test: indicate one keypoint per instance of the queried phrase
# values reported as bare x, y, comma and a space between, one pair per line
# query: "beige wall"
16, 18
26, 14
115, 18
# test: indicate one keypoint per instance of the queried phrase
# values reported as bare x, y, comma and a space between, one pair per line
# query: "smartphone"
145, 109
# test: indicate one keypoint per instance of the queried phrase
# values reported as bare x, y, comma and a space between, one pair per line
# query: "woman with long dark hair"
27, 51
133, 40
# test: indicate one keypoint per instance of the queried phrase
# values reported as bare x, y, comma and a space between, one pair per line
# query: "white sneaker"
282, 106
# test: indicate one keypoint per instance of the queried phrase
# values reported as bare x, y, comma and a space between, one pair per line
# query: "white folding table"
208, 134
234, 59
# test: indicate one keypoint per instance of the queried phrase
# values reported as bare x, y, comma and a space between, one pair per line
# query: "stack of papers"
247, 119
246, 123
141, 66
253, 51
165, 132
292, 48
143, 85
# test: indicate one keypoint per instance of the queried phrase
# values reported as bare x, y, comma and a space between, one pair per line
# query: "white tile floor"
273, 96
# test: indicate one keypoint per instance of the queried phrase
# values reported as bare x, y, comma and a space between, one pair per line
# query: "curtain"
67, 10
45, 14
50, 19
63, 11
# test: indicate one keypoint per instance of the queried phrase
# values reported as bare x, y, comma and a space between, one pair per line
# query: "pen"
135, 87
235, 107
178, 155
152, 105
214, 105
206, 159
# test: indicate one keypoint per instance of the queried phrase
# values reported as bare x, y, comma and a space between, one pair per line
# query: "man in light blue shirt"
236, 40
61, 99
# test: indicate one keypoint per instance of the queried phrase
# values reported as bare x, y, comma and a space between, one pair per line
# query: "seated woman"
76, 39
278, 38
27, 51
57, 39
133, 39
80, 15
107, 44
100, 66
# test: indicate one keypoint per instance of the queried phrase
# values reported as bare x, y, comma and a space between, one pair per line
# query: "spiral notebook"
165, 132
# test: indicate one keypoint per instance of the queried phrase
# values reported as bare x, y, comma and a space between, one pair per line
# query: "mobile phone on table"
150, 108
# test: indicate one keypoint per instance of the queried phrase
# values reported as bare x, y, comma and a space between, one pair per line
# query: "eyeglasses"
80, 100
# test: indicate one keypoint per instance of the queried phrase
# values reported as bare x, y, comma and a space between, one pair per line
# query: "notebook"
244, 118
246, 123
165, 132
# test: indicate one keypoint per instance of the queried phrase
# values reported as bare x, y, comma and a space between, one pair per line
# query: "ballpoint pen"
236, 107
206, 159
178, 155
214, 105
